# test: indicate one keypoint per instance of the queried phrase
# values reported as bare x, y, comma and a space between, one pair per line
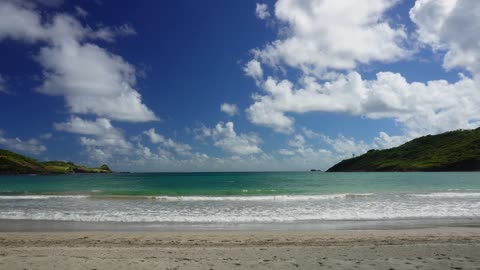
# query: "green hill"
13, 163
451, 151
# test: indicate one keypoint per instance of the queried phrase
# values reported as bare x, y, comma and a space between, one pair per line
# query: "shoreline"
12, 225
439, 248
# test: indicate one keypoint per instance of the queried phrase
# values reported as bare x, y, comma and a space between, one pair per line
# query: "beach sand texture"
443, 248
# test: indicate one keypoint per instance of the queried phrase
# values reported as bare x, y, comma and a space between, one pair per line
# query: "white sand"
445, 248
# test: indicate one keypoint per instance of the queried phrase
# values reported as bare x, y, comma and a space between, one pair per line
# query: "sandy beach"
440, 248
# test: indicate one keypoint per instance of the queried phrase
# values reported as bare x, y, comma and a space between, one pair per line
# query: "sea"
240, 200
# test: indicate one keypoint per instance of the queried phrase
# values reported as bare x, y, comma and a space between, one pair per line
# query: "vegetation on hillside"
451, 151
13, 163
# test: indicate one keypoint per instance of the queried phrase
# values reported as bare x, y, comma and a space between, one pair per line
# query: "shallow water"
242, 198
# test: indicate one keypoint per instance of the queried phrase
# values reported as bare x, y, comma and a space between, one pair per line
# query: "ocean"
249, 199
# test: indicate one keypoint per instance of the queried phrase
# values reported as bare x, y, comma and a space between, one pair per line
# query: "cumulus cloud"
230, 109
338, 34
101, 139
345, 147
254, 69
156, 138
261, 10
297, 142
451, 26
385, 141
421, 108
323, 39
31, 146
225, 137
309, 133
92, 80
97, 83
302, 154
20, 23
326, 39
78, 125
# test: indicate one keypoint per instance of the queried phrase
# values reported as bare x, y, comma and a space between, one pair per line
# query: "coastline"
12, 225
432, 248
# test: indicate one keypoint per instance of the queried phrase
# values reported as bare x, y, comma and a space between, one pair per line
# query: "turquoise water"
241, 198
242, 184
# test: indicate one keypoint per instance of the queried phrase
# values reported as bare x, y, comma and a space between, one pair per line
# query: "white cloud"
338, 34
261, 10
31, 146
254, 69
230, 109
303, 156
46, 136
299, 156
92, 80
225, 137
197, 162
385, 141
345, 147
309, 133
19, 23
453, 26
286, 152
421, 108
109, 33
81, 12
326, 39
156, 138
297, 142
79, 126
100, 137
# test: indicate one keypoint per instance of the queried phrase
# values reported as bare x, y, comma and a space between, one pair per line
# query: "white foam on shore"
241, 216
448, 195
262, 198
242, 198
243, 209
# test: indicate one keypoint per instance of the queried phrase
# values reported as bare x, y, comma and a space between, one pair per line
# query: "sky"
245, 85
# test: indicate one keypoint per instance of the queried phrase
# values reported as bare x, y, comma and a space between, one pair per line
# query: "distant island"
13, 163
451, 151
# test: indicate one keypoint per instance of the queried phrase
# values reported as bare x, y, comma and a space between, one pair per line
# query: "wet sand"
440, 248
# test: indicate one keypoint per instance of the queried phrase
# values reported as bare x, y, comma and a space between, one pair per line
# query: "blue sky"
233, 85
